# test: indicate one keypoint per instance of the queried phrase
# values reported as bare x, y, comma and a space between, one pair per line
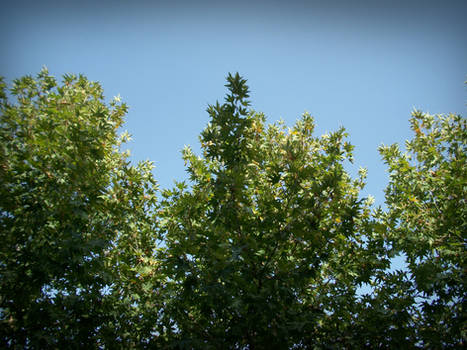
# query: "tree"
269, 242
265, 245
427, 222
76, 219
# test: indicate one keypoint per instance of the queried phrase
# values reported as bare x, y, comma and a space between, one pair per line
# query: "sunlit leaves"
262, 231
427, 219
76, 218
267, 244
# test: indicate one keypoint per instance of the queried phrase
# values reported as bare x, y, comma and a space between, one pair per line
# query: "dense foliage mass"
267, 244
427, 223
76, 219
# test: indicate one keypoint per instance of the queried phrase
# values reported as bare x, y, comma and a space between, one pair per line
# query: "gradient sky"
360, 64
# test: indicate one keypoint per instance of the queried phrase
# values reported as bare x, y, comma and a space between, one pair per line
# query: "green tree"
427, 223
265, 244
76, 219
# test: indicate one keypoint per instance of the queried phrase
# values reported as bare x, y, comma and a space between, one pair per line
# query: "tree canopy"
267, 244
77, 220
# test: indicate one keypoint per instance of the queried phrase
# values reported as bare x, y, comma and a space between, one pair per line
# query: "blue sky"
361, 64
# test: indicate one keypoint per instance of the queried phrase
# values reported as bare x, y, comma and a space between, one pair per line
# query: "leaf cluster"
268, 244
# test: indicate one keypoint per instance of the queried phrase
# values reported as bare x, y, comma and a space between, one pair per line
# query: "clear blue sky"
361, 64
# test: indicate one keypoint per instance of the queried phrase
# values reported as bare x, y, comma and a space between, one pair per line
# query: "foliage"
268, 244
76, 219
427, 223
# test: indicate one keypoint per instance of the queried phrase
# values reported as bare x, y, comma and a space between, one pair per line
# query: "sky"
364, 65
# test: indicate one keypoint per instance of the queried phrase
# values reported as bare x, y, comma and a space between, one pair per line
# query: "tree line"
267, 245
